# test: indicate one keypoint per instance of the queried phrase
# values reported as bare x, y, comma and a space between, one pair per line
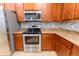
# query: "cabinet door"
75, 51
46, 12
32, 6
68, 11
63, 50
47, 41
20, 12
10, 6
63, 47
56, 12
18, 41
57, 47
66, 43
76, 15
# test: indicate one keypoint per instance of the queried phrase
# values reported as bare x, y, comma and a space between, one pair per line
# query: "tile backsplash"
71, 25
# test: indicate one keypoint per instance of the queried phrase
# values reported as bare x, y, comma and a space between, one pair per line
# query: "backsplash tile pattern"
71, 25
50, 25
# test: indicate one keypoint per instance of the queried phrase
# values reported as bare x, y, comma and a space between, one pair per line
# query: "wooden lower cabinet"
62, 50
54, 42
66, 43
75, 51
51, 42
18, 41
63, 47
47, 42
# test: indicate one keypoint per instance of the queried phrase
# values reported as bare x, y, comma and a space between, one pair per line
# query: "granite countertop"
71, 36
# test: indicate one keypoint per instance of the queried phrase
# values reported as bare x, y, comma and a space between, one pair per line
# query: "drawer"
65, 42
48, 35
31, 49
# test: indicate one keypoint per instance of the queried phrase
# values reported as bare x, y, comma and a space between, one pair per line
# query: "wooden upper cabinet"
76, 14
56, 12
32, 6
20, 12
51, 12
10, 6
46, 12
68, 11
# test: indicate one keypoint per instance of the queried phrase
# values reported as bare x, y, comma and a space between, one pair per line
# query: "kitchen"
48, 27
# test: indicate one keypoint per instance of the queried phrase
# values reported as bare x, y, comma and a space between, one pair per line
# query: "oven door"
31, 39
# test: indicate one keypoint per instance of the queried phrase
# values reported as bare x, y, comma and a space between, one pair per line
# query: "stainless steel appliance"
32, 40
8, 25
32, 36
32, 15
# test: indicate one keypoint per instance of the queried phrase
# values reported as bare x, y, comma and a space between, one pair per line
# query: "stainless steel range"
32, 37
32, 40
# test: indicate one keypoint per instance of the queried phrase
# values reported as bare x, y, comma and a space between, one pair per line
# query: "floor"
43, 53
4, 47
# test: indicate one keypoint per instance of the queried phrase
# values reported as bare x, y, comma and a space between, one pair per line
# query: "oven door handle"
31, 34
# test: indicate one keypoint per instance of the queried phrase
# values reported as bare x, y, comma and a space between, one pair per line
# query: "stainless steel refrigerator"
8, 25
